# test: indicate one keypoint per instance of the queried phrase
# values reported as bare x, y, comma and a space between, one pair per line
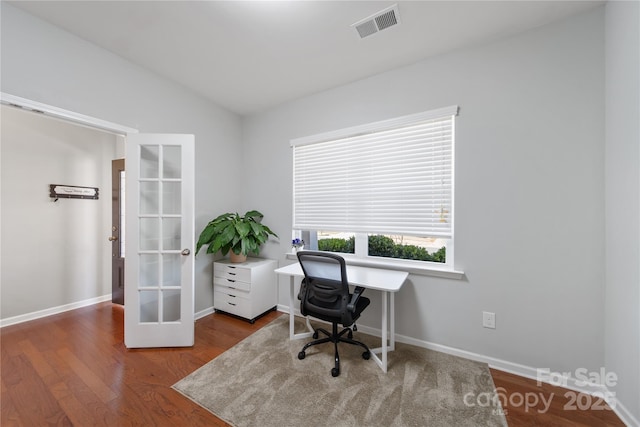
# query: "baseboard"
570, 383
625, 416
285, 309
53, 310
61, 309
202, 313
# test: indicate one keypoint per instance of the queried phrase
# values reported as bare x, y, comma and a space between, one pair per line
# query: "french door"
159, 295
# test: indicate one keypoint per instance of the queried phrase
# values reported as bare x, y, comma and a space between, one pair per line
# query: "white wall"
46, 64
529, 190
622, 297
53, 253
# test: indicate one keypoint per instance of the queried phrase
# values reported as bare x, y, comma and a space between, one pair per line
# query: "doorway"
55, 254
159, 228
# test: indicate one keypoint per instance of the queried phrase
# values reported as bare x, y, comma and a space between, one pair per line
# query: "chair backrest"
325, 290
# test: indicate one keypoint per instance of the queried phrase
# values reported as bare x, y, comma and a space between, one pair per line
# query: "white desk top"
367, 277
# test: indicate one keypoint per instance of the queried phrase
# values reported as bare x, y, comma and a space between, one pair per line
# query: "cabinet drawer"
232, 304
232, 291
232, 272
232, 283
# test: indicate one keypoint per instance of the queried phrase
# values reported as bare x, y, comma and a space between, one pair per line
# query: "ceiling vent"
377, 22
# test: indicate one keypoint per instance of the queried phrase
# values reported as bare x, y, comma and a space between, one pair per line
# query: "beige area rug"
260, 382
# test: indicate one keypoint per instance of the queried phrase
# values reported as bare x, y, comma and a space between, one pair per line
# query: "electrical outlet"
488, 320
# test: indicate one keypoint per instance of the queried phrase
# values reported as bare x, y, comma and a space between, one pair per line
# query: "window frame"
361, 257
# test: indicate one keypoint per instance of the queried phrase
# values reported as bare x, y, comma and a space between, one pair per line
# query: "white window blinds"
392, 177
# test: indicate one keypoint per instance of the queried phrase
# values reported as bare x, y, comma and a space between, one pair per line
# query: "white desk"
387, 281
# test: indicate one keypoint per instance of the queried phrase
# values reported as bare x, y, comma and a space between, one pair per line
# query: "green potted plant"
235, 234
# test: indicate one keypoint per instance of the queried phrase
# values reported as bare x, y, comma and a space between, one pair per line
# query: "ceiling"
248, 56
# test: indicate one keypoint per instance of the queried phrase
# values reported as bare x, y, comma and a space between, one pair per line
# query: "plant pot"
237, 258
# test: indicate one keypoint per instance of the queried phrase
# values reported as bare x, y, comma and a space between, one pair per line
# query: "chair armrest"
354, 298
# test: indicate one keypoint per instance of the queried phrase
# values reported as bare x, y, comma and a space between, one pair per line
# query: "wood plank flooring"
73, 369
562, 407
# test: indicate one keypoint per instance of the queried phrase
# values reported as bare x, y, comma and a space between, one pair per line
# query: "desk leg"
291, 318
292, 334
392, 322
385, 326
384, 349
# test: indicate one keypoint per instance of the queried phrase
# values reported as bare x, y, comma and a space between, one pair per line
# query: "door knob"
185, 252
113, 238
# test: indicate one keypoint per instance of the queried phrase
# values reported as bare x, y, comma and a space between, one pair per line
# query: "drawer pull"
230, 303
232, 281
232, 296
232, 274
231, 266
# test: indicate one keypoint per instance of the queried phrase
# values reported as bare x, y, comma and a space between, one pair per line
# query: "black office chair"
324, 294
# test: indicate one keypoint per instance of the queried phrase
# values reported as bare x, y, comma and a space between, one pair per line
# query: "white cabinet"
246, 289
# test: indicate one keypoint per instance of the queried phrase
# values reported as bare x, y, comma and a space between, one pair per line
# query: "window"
385, 189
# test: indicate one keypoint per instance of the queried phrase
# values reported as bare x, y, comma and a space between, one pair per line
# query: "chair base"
335, 338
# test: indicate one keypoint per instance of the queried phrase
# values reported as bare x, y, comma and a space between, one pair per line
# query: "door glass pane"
149, 163
149, 231
171, 233
149, 306
171, 269
149, 200
171, 307
171, 197
149, 270
172, 161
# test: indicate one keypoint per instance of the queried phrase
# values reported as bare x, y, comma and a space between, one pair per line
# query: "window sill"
412, 269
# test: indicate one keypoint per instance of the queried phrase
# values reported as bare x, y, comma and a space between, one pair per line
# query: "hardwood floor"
549, 405
72, 369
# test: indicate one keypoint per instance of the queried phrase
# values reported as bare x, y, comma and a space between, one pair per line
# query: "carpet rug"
260, 382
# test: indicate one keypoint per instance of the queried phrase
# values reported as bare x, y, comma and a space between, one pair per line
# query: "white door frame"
70, 116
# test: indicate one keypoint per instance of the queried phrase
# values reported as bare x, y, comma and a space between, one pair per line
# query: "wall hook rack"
58, 191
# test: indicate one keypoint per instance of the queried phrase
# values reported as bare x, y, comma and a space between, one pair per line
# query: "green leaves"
243, 228
230, 231
383, 246
255, 215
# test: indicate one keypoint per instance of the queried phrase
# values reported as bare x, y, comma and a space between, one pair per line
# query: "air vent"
377, 22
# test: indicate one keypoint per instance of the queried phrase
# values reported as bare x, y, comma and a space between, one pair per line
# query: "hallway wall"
53, 253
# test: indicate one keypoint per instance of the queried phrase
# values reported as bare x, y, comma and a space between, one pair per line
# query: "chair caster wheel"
355, 328
315, 335
335, 372
350, 334
366, 355
301, 355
